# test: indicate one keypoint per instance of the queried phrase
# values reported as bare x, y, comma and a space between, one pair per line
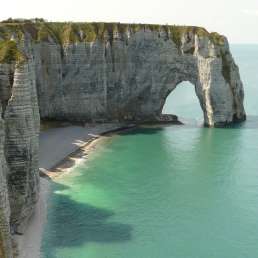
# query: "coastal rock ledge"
97, 72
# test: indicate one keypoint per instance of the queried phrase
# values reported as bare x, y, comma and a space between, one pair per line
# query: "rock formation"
5, 236
19, 131
97, 72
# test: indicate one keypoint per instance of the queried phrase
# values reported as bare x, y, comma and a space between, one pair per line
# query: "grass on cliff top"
9, 30
10, 53
1, 248
69, 32
177, 33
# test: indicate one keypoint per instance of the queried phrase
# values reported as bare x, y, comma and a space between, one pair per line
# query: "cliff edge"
97, 72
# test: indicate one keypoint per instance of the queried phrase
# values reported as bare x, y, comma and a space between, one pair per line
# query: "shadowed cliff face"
5, 237
98, 72
19, 131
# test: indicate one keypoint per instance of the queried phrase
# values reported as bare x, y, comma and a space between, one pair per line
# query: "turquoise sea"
169, 192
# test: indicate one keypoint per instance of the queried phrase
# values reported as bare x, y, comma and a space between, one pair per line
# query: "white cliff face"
130, 77
97, 72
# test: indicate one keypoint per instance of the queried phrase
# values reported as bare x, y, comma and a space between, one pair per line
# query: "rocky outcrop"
103, 72
97, 72
18, 150
127, 75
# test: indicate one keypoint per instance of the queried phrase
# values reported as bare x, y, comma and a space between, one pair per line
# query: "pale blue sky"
237, 19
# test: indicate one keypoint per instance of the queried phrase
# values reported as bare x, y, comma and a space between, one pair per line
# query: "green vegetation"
2, 246
42, 33
67, 32
217, 39
176, 33
135, 27
154, 27
10, 53
11, 29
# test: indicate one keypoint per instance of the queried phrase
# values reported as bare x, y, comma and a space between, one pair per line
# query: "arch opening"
183, 102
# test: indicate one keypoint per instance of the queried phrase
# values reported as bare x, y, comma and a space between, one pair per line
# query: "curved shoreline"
78, 146
29, 244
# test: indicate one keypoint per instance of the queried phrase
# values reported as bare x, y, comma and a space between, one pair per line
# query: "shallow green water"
171, 192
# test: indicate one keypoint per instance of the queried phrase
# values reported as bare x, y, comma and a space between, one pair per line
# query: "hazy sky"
237, 19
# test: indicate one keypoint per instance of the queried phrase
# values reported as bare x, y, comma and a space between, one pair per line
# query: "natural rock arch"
162, 66
97, 72
183, 102
109, 71
128, 74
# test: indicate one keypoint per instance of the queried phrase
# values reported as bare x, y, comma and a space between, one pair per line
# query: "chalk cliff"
19, 131
127, 73
97, 72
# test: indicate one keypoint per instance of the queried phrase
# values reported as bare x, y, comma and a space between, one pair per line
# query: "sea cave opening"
183, 102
